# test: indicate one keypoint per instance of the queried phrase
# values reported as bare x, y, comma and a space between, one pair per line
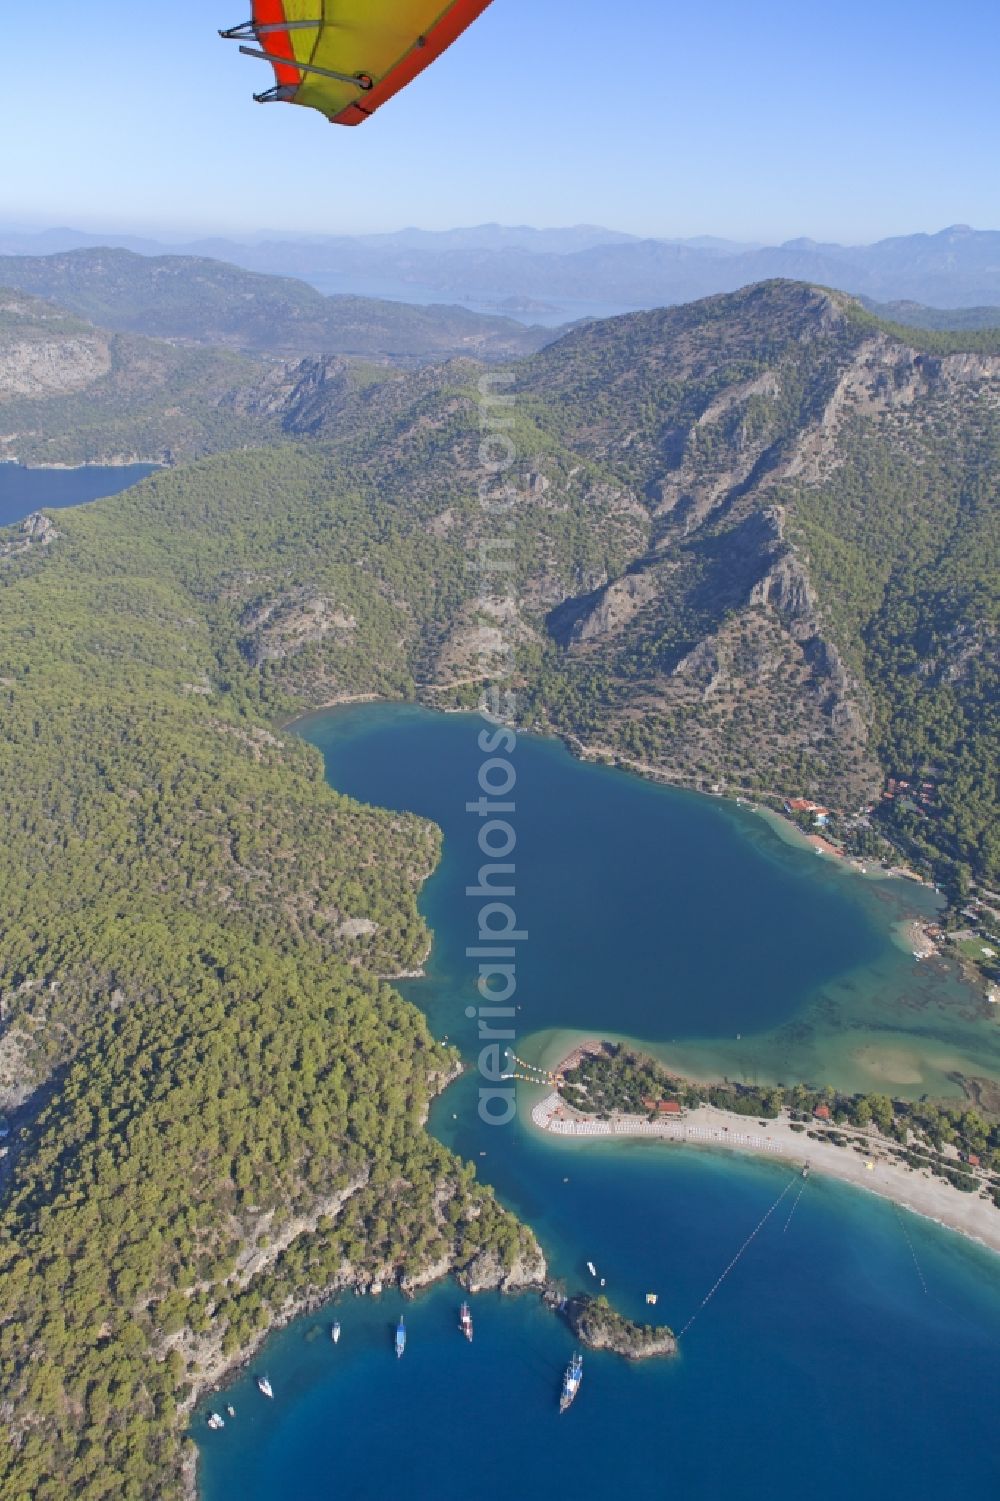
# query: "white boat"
216, 1421
264, 1387
571, 1383
591, 1268
231, 1410
335, 1333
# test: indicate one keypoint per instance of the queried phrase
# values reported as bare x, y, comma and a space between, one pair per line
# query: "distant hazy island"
939, 1161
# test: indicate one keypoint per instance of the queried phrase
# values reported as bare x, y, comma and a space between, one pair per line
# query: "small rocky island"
597, 1325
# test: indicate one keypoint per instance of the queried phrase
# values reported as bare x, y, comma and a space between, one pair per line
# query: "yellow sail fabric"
347, 57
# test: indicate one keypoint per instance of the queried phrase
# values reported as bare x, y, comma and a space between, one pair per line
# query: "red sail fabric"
346, 58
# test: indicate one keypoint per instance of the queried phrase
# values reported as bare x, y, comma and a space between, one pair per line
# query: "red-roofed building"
804, 805
669, 1107
822, 1112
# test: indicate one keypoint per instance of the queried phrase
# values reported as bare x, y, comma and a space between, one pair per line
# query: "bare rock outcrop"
486, 1272
279, 628
51, 367
34, 531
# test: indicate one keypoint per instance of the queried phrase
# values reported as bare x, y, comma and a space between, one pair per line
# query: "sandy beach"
916, 1189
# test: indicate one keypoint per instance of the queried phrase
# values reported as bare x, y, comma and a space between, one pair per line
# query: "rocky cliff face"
282, 626
51, 367
35, 531
728, 649
710, 507
44, 352
486, 1273
689, 590
72, 393
723, 664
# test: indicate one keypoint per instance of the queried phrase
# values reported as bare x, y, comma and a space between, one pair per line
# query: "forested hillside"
202, 301
71, 392
736, 519
228, 1098
755, 545
819, 604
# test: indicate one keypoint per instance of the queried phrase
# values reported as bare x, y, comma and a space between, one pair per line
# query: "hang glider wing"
347, 57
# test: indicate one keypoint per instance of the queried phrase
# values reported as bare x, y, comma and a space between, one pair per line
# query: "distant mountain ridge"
955, 267
74, 392
204, 301
916, 315
764, 528
754, 547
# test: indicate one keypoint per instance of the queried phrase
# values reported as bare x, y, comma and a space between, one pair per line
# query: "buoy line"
536, 1076
795, 1206
718, 1283
913, 1252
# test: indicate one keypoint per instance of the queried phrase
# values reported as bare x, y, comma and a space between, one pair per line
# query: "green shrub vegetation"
194, 927
619, 1079
197, 300
935, 330
196, 930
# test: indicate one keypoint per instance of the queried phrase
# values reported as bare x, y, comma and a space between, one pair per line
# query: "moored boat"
264, 1387
216, 1421
465, 1321
400, 1338
571, 1382
335, 1333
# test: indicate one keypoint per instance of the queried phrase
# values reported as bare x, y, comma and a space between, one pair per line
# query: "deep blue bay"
854, 1345
24, 490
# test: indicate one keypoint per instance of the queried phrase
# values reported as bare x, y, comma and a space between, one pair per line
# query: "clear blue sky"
848, 120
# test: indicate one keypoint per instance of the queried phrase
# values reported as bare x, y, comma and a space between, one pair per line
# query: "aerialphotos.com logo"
497, 932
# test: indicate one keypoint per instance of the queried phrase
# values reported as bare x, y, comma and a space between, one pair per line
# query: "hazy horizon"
671, 122
168, 232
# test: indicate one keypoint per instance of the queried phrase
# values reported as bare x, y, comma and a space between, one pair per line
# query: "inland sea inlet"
852, 1338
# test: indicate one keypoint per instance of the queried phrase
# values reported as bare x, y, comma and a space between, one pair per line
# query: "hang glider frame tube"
374, 88
280, 93
362, 81
247, 30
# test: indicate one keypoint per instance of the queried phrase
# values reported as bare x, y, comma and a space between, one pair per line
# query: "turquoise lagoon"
853, 1347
